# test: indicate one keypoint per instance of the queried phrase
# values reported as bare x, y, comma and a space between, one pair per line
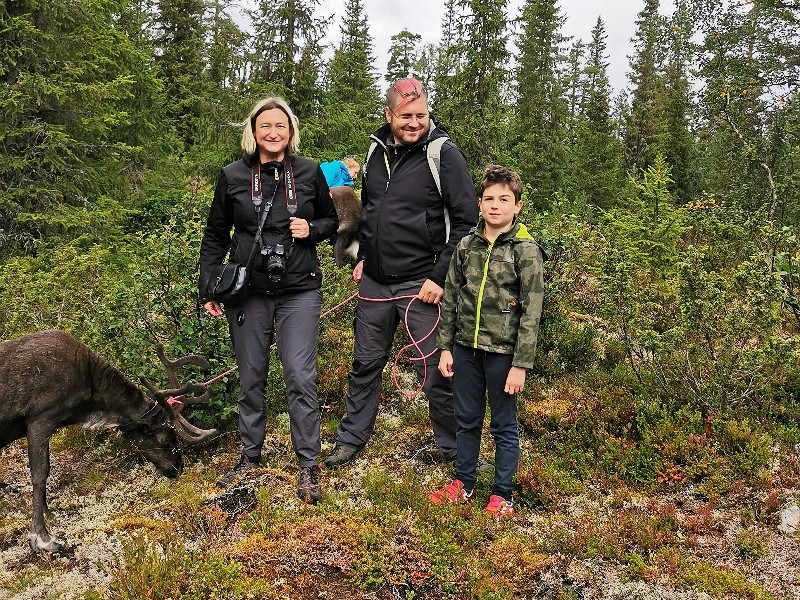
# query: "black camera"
276, 261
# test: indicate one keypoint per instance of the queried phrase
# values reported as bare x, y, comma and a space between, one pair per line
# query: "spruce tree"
286, 35
80, 105
473, 109
351, 75
352, 106
404, 56
677, 142
572, 83
181, 65
449, 59
539, 121
645, 125
221, 98
225, 48
750, 69
597, 176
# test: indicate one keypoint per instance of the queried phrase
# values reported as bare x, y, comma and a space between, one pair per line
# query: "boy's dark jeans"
476, 372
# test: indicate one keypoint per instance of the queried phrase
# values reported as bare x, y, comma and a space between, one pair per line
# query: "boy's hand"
446, 363
515, 382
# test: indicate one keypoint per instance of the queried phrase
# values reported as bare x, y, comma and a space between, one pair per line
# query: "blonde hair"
350, 161
248, 143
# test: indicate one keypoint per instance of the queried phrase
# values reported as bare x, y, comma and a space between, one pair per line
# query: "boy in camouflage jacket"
490, 319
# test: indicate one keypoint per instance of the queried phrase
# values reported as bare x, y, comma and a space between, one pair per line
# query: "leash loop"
414, 344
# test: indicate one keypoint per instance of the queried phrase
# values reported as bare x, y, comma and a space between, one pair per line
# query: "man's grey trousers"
375, 325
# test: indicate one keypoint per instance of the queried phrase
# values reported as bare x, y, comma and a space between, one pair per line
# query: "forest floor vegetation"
132, 534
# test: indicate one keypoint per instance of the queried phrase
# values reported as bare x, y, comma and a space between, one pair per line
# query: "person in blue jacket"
341, 172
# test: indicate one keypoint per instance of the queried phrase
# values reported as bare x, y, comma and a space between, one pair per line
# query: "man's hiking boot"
341, 455
245, 464
453, 492
499, 508
309, 489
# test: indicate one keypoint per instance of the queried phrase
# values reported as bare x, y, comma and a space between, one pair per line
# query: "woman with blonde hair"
279, 208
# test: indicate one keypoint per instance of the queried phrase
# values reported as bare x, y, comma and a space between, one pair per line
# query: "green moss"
753, 544
716, 581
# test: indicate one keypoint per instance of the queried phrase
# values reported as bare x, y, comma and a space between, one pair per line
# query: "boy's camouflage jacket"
493, 295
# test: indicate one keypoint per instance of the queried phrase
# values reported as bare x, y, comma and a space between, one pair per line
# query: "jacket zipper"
480, 294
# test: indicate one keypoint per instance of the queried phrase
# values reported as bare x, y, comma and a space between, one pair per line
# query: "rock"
790, 518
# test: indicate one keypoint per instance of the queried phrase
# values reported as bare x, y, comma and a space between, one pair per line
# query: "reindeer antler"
183, 428
172, 367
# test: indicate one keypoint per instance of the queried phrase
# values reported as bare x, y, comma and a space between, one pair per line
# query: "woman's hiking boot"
309, 489
245, 464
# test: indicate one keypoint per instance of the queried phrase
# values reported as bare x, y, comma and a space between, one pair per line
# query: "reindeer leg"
39, 463
339, 247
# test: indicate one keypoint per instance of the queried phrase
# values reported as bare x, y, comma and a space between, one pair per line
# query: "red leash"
414, 344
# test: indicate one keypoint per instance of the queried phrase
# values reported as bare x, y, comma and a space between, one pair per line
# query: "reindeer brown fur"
50, 379
348, 208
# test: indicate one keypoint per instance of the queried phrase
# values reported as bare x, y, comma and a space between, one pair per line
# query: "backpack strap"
370, 152
433, 153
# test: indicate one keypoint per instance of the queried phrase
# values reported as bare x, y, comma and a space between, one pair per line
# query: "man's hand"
446, 363
358, 271
430, 292
213, 308
516, 380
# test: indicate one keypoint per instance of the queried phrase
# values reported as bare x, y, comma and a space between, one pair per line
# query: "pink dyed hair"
404, 91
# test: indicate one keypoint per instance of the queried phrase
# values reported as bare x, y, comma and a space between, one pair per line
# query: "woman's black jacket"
233, 208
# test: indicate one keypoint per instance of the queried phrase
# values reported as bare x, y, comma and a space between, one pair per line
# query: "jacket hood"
518, 231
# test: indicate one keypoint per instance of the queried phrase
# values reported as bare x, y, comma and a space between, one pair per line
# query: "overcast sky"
424, 17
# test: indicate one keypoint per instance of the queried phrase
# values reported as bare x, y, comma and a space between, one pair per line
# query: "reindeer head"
155, 432
155, 438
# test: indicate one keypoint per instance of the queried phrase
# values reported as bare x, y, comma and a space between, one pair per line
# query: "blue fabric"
336, 173
476, 372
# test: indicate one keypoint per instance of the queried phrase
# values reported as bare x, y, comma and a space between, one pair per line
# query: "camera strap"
255, 191
291, 201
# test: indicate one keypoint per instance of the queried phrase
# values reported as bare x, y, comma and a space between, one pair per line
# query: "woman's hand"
213, 308
299, 228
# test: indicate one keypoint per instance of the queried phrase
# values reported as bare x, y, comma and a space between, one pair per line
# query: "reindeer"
348, 208
50, 379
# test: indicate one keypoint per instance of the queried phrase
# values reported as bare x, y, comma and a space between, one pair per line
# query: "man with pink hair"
408, 231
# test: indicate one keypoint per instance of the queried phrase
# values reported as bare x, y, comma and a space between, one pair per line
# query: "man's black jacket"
403, 235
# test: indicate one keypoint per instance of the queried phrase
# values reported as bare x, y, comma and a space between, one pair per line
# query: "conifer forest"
660, 426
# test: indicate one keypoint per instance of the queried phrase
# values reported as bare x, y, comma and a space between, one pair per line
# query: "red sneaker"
499, 507
453, 492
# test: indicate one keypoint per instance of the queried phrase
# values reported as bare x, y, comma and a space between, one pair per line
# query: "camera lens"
276, 267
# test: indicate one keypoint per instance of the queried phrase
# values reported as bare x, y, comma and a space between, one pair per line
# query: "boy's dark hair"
493, 174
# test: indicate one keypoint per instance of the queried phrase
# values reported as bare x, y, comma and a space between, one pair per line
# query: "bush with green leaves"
698, 325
